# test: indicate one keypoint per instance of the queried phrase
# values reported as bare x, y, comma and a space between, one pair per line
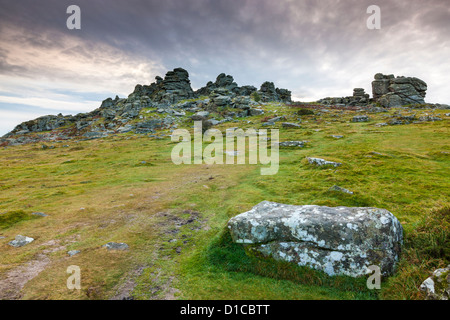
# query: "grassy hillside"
125, 188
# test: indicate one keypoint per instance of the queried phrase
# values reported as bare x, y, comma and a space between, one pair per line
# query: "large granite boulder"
338, 241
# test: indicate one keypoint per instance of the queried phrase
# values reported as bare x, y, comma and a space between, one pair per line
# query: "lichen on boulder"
338, 241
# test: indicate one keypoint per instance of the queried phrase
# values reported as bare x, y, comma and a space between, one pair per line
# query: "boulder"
361, 119
201, 115
322, 163
291, 125
292, 144
20, 241
73, 253
340, 189
337, 241
221, 101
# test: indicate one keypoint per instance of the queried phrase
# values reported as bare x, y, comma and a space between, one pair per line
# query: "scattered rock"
290, 144
116, 246
361, 119
290, 125
200, 115
20, 241
73, 252
321, 162
41, 214
339, 189
437, 287
429, 119
126, 128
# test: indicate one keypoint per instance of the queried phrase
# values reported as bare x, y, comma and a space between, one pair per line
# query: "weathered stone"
291, 125
213, 122
255, 112
221, 101
269, 93
40, 214
393, 92
337, 241
200, 115
116, 246
290, 144
340, 189
361, 119
175, 87
437, 287
126, 128
321, 162
20, 241
73, 252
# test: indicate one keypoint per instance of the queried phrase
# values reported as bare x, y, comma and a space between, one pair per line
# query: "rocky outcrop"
380, 86
269, 93
387, 90
225, 85
390, 91
223, 81
337, 241
175, 87
359, 98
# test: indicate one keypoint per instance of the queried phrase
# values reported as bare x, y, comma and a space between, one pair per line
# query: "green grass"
99, 191
9, 219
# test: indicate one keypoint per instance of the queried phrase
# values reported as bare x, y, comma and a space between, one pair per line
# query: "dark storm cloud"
229, 30
314, 48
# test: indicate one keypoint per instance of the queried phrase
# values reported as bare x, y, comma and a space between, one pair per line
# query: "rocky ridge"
167, 100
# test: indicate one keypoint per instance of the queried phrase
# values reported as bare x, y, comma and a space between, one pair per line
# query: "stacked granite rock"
360, 96
268, 93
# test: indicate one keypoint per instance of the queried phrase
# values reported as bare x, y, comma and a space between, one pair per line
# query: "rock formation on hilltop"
393, 92
225, 85
387, 90
163, 97
268, 93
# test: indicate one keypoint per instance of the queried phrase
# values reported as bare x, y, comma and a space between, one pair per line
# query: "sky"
314, 48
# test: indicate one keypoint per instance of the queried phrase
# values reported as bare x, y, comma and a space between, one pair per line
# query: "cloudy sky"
314, 48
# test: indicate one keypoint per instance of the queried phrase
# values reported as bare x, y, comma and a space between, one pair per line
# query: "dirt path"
17, 278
